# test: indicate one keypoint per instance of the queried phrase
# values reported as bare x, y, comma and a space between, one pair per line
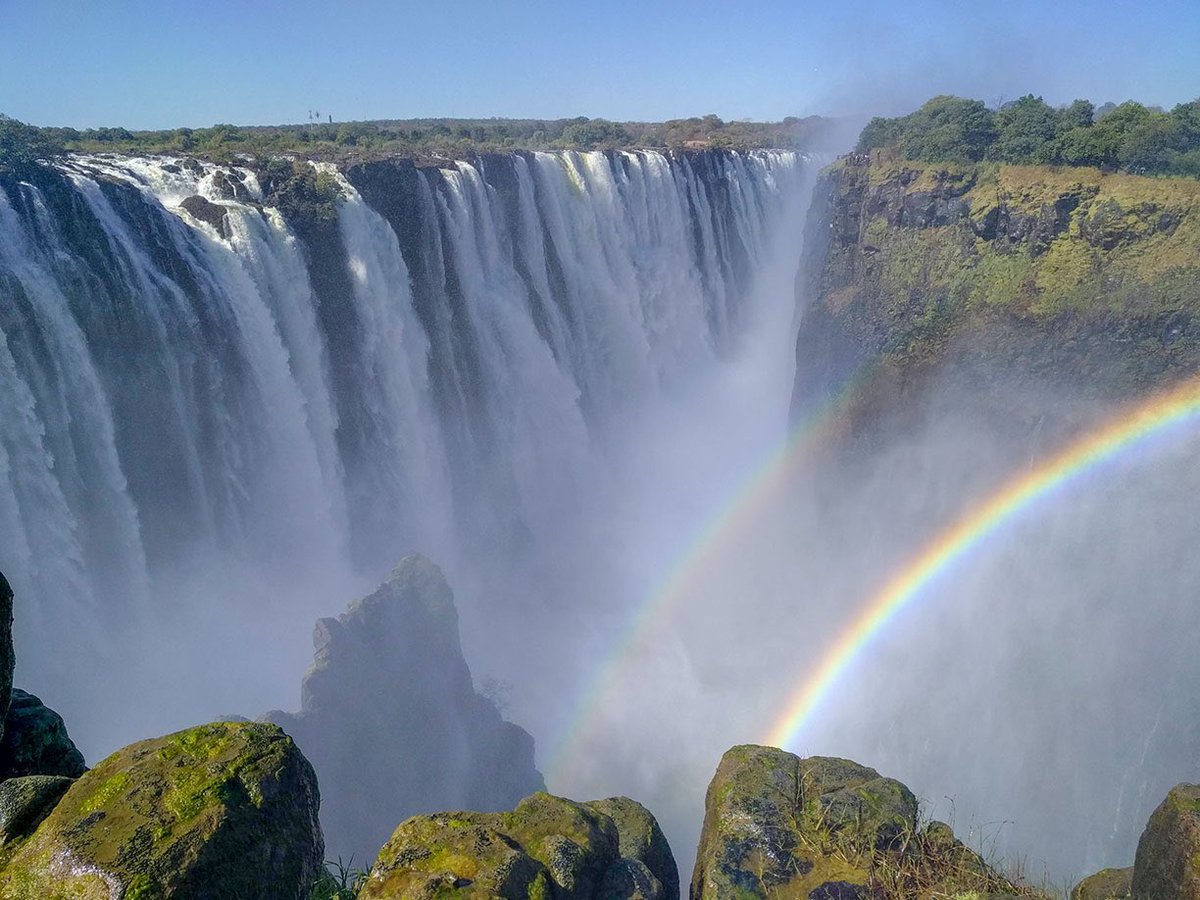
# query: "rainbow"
1161, 414
742, 506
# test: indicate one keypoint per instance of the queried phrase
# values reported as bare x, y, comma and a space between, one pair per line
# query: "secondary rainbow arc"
741, 507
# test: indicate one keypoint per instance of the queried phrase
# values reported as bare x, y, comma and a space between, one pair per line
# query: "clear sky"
146, 64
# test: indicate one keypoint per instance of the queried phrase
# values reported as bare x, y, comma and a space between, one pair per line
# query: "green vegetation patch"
22, 145
1129, 137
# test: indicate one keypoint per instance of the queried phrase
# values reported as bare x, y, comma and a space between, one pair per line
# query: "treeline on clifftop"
1130, 137
21, 144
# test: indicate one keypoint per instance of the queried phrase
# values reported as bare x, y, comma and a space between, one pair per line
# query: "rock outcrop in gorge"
391, 721
547, 847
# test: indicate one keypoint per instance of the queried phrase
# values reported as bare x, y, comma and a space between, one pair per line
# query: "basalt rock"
1167, 865
218, 811
823, 828
24, 802
7, 656
1107, 884
548, 847
641, 840
392, 722
206, 211
36, 741
768, 813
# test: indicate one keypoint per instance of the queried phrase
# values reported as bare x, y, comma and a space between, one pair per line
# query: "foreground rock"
392, 723
547, 847
36, 741
223, 810
1107, 884
825, 829
1167, 865
642, 840
769, 813
24, 802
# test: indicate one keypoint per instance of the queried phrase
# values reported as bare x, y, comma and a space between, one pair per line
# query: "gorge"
240, 392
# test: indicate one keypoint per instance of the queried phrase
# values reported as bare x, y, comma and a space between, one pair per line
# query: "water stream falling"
221, 423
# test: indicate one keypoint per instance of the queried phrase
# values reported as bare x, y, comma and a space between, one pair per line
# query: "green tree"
21, 146
1025, 131
879, 133
950, 129
592, 133
1080, 114
1151, 144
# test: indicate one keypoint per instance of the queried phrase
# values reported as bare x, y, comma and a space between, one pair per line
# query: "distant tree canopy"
1130, 137
21, 144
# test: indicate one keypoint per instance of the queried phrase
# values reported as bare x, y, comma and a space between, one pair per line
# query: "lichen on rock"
1107, 884
547, 848
1167, 864
777, 825
222, 810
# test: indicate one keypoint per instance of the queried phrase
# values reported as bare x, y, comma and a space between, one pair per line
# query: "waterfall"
215, 405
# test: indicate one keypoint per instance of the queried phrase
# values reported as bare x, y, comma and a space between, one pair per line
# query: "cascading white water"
218, 425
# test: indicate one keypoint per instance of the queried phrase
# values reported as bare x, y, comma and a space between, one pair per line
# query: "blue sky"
156, 65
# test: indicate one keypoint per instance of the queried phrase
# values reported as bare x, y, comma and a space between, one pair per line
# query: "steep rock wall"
990, 275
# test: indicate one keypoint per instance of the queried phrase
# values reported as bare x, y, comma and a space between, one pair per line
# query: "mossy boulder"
7, 656
36, 742
1167, 865
1107, 884
642, 840
220, 811
776, 823
460, 854
942, 852
548, 848
24, 802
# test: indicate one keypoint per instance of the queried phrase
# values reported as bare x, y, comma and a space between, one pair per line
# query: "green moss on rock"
1107, 884
779, 825
1032, 272
547, 848
223, 810
824, 828
1168, 854
641, 839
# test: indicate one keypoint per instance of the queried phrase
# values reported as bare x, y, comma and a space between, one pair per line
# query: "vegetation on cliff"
21, 144
1129, 137
1037, 272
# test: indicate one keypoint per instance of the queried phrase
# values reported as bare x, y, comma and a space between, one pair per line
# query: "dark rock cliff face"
392, 723
993, 279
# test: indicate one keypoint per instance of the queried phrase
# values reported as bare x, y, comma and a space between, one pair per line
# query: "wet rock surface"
391, 720
217, 811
